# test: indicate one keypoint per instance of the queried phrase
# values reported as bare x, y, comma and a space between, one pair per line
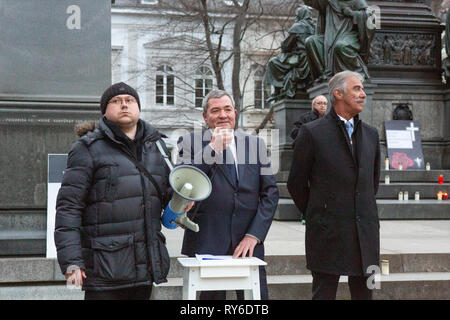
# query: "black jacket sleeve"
268, 196
303, 158
294, 132
70, 204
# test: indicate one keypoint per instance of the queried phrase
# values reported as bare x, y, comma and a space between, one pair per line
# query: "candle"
445, 196
417, 195
400, 195
386, 164
441, 179
400, 166
405, 195
428, 167
439, 195
387, 180
385, 267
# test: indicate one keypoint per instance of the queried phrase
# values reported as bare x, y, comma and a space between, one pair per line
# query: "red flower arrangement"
399, 157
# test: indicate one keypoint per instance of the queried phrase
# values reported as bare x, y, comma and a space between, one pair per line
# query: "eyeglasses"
321, 103
119, 102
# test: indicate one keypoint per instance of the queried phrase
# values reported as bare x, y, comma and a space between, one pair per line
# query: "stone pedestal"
320, 89
55, 66
286, 112
367, 115
428, 107
406, 48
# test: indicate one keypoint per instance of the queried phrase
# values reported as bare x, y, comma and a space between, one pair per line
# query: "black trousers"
221, 295
324, 287
134, 293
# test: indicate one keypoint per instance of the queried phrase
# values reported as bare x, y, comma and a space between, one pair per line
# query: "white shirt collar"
351, 120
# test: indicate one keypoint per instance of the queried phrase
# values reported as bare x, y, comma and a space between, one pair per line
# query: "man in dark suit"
236, 217
333, 180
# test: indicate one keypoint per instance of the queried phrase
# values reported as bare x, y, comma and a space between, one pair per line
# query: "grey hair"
214, 94
339, 81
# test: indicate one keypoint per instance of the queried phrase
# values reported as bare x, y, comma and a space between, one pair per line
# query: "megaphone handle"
187, 223
182, 226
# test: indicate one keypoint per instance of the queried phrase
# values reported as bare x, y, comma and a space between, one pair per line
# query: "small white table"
230, 274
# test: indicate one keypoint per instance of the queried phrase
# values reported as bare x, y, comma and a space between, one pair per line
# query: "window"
230, 2
149, 1
203, 84
116, 64
261, 90
165, 86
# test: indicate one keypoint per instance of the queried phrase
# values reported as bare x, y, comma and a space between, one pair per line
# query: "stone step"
403, 286
391, 190
426, 190
43, 291
42, 270
23, 219
22, 231
406, 286
395, 175
387, 209
411, 209
22, 242
415, 175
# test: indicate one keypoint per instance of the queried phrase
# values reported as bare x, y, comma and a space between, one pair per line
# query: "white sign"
56, 167
399, 139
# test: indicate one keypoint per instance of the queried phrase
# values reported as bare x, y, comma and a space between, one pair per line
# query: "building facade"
159, 48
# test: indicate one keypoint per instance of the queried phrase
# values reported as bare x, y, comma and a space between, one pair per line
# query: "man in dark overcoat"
318, 109
333, 179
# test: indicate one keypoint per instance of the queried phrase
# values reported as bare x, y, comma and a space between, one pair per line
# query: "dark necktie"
228, 160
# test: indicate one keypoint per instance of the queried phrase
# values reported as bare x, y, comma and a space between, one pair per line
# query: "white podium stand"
230, 274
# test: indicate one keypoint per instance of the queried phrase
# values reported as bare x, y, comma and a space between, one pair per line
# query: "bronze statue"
289, 71
342, 40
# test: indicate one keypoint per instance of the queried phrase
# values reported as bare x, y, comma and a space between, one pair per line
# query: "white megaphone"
189, 184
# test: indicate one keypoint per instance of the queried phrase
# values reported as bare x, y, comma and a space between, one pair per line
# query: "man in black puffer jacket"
108, 230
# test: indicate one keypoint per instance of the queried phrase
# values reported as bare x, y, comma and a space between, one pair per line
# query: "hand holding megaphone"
189, 206
189, 184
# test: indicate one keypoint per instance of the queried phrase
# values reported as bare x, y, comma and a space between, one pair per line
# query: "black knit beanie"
115, 90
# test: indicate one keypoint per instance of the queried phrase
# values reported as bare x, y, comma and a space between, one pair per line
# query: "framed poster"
404, 144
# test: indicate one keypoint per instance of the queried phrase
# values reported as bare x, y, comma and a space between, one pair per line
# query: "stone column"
446, 133
286, 112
